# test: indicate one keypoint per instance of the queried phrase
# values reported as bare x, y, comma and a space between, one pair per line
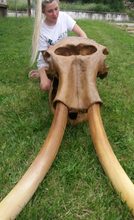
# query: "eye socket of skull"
70, 50
46, 56
105, 51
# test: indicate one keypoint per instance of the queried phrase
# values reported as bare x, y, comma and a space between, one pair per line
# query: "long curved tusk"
19, 196
108, 160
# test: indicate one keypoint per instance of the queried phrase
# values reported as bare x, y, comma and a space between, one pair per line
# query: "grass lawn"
76, 186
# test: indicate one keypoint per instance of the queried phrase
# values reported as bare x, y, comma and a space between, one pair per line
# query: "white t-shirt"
50, 35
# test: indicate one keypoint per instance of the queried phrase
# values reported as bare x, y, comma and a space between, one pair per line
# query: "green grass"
76, 186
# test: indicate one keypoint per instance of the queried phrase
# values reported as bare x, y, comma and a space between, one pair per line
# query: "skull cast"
74, 65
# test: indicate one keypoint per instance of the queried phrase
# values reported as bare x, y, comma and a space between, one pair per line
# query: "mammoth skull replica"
74, 64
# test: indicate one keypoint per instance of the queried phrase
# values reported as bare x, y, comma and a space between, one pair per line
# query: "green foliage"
98, 6
130, 13
76, 186
21, 5
113, 5
88, 7
116, 5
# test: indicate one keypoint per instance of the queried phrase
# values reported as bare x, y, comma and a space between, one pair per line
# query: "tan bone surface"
75, 63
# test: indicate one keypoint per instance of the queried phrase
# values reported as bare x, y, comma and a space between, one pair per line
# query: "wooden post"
29, 8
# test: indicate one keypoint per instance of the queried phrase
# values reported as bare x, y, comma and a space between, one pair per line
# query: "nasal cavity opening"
72, 115
80, 49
